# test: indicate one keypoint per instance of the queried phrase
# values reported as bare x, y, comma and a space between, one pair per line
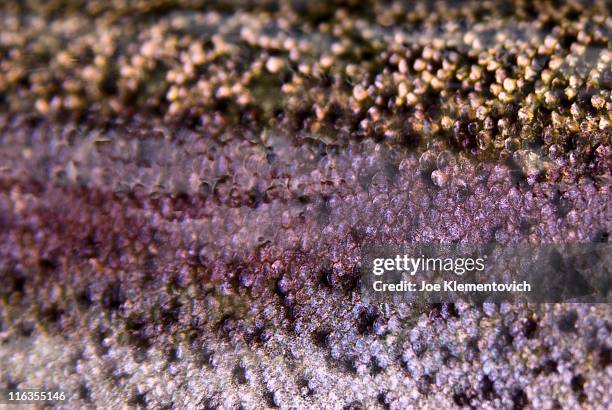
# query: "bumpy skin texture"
213, 262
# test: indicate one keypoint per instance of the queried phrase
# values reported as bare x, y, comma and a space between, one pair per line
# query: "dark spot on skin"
258, 336
366, 319
391, 170
26, 329
419, 348
138, 400
108, 84
352, 281
326, 277
320, 337
548, 367
563, 208
365, 178
487, 388
52, 314
172, 355
13, 283
269, 397
113, 297
239, 374
461, 399
193, 254
447, 356
48, 265
424, 384
279, 289
204, 358
254, 198
348, 364
89, 248
382, 400
443, 310
303, 385
568, 322
357, 234
140, 355
577, 384
84, 392
375, 367
207, 404
134, 323
270, 155
289, 314
604, 357
505, 337
170, 314
524, 225
19, 284
530, 328
519, 399
137, 336
354, 406
84, 298
227, 324
600, 237
472, 349
116, 376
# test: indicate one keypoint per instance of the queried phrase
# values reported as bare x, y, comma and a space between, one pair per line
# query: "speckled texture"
207, 256
246, 293
489, 77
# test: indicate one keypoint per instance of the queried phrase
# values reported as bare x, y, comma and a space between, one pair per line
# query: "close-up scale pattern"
186, 189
